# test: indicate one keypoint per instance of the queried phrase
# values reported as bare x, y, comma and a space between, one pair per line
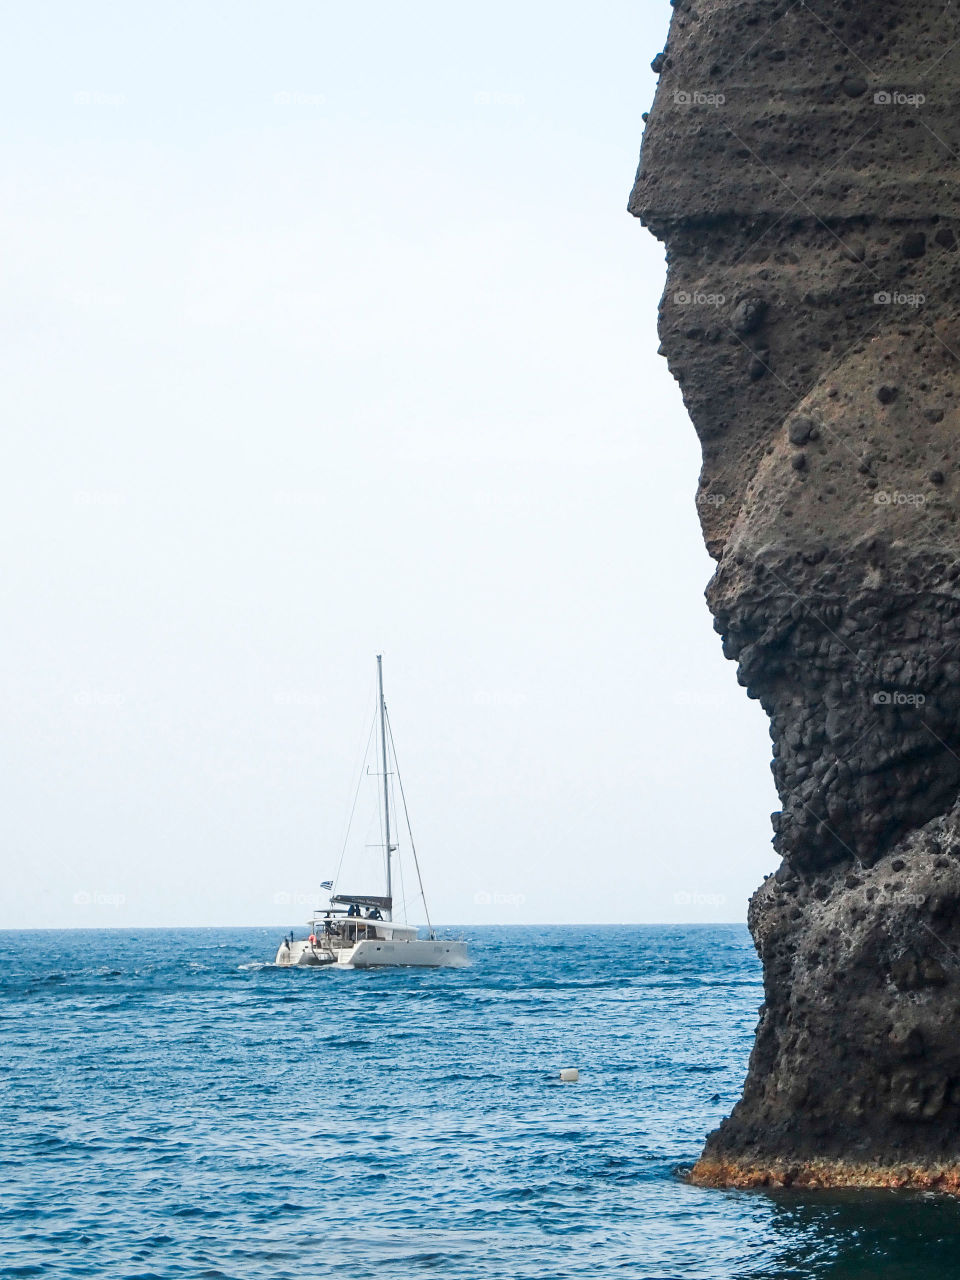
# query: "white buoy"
570, 1074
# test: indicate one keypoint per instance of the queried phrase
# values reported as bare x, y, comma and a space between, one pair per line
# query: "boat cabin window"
359, 931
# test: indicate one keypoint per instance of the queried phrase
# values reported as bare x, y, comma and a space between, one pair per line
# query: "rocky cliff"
801, 164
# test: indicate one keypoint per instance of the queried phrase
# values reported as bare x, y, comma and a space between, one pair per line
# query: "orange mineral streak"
825, 1174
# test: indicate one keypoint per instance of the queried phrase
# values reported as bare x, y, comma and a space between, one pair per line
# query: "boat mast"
386, 781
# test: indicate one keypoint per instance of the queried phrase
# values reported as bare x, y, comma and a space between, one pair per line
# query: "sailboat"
357, 930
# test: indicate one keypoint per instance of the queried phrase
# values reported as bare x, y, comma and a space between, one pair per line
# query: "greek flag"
326, 884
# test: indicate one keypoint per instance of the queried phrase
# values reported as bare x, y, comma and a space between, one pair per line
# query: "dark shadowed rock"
800, 430
748, 315
826, 213
854, 86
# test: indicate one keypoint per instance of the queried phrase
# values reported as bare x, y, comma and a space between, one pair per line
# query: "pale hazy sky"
325, 331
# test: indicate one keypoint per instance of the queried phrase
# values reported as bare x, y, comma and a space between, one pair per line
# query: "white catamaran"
357, 930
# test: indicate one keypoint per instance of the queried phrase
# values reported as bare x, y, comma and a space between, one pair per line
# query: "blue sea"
174, 1106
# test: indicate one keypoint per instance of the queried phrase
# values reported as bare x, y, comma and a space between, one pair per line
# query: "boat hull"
371, 953
303, 954
419, 953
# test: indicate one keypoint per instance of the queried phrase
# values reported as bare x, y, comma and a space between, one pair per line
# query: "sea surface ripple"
175, 1106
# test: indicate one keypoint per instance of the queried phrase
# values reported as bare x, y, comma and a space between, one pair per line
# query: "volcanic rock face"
802, 166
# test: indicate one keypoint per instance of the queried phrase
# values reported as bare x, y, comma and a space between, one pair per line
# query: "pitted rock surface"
800, 164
